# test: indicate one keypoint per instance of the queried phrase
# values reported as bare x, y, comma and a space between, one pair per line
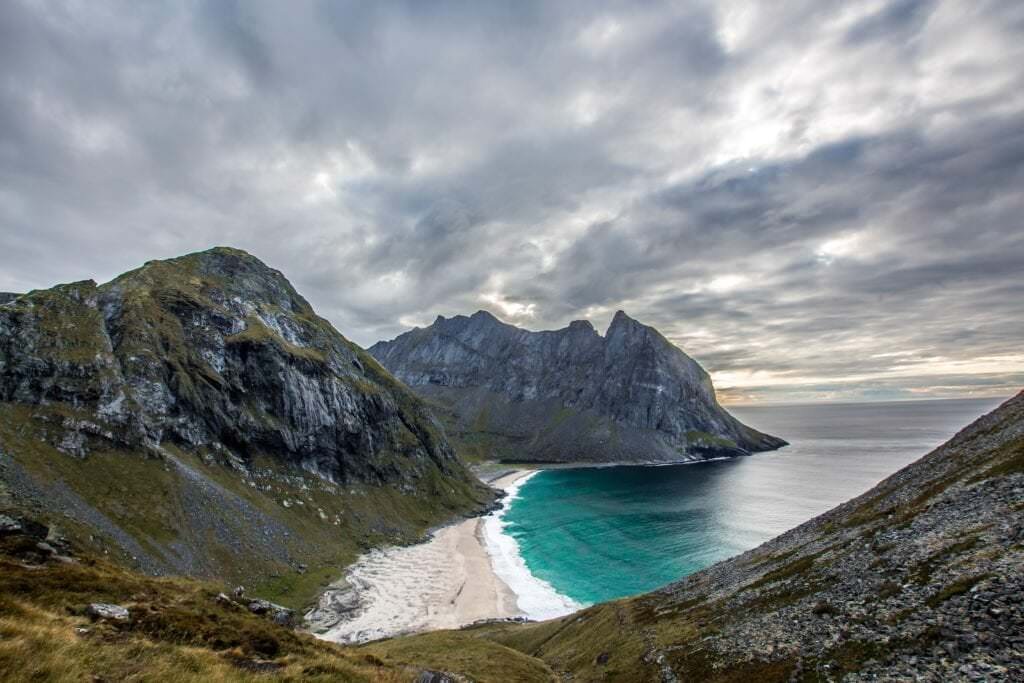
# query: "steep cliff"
208, 388
568, 395
919, 579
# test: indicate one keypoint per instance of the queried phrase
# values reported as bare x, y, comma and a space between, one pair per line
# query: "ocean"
571, 537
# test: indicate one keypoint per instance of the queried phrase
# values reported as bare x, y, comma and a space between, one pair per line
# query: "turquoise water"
601, 533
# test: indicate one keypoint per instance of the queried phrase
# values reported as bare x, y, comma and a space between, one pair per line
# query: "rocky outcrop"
258, 431
101, 611
6, 297
213, 351
569, 395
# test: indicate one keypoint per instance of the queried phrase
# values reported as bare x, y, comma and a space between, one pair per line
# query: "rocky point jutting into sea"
568, 395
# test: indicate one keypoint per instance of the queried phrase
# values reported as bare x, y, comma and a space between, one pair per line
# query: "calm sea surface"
601, 533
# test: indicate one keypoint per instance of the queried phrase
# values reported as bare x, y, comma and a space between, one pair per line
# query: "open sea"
592, 534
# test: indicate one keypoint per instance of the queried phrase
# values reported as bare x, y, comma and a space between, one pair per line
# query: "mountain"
195, 416
568, 395
6, 297
917, 579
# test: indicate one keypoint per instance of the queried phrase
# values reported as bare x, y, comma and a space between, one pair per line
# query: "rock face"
201, 367
214, 351
570, 395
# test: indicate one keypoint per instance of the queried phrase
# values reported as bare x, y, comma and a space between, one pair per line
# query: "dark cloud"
816, 199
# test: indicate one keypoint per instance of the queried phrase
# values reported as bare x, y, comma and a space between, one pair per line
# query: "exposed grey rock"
217, 351
436, 677
106, 612
571, 395
260, 606
11, 526
337, 603
6, 297
278, 614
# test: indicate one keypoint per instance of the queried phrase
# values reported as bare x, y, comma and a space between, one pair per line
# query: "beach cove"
464, 573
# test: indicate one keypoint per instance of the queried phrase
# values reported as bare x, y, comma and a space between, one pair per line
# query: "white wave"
536, 598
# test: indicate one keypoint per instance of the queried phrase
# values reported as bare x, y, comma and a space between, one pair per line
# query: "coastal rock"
336, 604
569, 395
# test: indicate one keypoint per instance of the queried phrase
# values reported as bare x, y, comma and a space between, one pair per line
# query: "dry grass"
178, 631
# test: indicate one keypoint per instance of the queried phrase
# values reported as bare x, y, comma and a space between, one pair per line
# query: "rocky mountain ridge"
569, 395
227, 389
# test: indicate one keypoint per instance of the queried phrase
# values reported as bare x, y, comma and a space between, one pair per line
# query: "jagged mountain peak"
582, 326
483, 315
217, 277
571, 394
621, 319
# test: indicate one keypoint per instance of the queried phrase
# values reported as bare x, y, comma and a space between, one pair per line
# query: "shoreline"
459, 576
465, 572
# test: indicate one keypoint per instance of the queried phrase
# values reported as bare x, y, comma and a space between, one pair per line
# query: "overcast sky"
816, 200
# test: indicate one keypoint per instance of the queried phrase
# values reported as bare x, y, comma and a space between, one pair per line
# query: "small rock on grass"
101, 611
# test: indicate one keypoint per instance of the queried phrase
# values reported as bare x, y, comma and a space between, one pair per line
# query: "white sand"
444, 583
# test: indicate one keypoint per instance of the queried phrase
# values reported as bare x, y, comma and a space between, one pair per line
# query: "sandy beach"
446, 582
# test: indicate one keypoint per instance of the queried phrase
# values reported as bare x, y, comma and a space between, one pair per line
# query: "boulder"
9, 526
435, 677
277, 613
101, 611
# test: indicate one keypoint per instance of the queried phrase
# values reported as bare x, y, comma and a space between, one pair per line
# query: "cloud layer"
815, 199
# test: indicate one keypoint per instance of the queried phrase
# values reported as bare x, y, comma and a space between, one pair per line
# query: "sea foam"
536, 598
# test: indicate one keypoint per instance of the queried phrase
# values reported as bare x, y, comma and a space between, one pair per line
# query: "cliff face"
570, 394
917, 579
213, 359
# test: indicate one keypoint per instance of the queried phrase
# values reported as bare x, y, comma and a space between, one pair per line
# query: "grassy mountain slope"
179, 630
196, 417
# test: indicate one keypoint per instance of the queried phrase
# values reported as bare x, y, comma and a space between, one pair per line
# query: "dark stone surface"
214, 350
571, 395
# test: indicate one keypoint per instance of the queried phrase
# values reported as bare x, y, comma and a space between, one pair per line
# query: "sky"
817, 200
